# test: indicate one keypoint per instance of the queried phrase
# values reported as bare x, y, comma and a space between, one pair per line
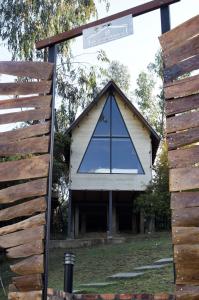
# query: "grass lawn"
96, 263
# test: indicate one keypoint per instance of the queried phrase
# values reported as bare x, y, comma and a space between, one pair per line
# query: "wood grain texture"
36, 101
25, 224
187, 274
181, 105
22, 237
28, 115
182, 122
185, 217
185, 235
23, 133
28, 208
185, 50
184, 199
33, 295
25, 146
181, 68
26, 250
183, 138
37, 70
29, 266
182, 179
181, 88
180, 33
182, 158
27, 88
186, 253
187, 292
28, 282
29, 189
25, 168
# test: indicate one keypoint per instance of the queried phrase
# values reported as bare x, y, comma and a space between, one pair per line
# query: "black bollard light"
69, 260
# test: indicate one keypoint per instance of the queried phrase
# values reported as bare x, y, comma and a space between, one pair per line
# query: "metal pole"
69, 213
165, 18
110, 215
69, 260
52, 57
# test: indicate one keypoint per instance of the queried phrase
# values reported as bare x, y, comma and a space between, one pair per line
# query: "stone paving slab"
97, 284
125, 275
164, 261
151, 267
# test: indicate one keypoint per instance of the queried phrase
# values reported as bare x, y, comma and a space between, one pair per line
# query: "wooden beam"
25, 146
29, 266
185, 235
25, 168
182, 179
28, 208
25, 224
185, 217
35, 101
184, 199
33, 295
25, 88
26, 250
23, 133
28, 282
135, 11
37, 70
24, 190
182, 158
22, 237
28, 115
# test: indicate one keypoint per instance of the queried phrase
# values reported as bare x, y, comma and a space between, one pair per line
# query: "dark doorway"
96, 221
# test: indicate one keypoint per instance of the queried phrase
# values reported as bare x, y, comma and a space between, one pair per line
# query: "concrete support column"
110, 216
76, 220
69, 236
114, 221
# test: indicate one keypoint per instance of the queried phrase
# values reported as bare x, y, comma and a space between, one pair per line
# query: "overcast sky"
137, 50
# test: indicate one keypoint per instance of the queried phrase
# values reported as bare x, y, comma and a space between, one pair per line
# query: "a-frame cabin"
113, 148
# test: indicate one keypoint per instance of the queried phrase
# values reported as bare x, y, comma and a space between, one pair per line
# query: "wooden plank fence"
24, 170
181, 57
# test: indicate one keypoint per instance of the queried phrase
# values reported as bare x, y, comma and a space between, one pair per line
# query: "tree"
155, 201
149, 95
119, 73
24, 22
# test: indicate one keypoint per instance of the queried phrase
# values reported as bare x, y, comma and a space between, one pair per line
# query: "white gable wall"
81, 136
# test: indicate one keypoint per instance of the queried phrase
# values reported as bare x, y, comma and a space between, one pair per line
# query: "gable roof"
111, 86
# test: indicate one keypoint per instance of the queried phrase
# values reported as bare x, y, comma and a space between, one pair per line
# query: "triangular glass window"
111, 149
103, 127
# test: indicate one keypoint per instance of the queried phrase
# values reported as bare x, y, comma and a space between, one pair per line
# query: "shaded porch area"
103, 213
